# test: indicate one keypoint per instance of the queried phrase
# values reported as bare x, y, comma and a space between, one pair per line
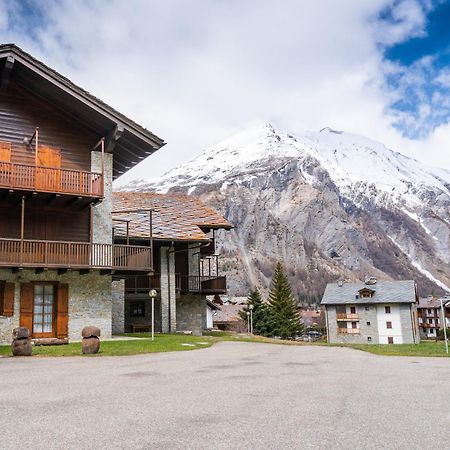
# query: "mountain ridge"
293, 186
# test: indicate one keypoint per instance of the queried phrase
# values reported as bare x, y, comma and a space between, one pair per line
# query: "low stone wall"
191, 313
89, 301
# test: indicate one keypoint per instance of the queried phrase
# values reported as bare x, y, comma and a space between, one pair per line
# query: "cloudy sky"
195, 72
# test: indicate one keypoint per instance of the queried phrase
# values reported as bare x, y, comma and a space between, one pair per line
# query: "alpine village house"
60, 150
371, 312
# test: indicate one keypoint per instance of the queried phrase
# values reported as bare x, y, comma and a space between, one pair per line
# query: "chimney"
370, 281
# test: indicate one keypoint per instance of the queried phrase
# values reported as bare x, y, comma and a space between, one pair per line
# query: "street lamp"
444, 325
250, 307
248, 321
152, 294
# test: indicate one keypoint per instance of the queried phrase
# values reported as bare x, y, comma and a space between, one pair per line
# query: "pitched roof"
136, 143
175, 217
429, 302
385, 292
228, 313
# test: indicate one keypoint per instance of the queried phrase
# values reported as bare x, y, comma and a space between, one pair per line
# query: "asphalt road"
229, 396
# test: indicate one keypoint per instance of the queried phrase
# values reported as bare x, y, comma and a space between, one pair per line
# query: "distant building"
374, 312
228, 318
313, 318
430, 315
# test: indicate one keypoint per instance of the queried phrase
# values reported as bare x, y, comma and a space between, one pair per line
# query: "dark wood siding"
45, 223
21, 112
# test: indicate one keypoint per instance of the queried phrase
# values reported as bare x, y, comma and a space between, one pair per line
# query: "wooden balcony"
209, 285
347, 317
348, 330
23, 177
26, 253
202, 284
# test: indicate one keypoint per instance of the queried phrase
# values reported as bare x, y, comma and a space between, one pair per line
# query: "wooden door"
62, 311
26, 306
48, 170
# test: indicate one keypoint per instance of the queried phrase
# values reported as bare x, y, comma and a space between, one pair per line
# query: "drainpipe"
326, 323
168, 283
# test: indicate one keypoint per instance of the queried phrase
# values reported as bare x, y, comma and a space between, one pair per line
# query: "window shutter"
5, 151
62, 311
8, 300
26, 305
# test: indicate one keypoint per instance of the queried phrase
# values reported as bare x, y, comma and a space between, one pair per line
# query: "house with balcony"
182, 233
60, 150
371, 312
430, 315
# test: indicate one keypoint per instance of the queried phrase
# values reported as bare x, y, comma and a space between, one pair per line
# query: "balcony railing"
47, 179
193, 283
347, 317
348, 330
58, 254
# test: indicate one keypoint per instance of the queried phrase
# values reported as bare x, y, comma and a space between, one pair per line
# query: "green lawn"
180, 342
425, 348
162, 343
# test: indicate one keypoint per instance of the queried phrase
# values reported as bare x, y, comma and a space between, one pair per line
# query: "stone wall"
89, 301
102, 220
118, 306
191, 313
168, 291
365, 316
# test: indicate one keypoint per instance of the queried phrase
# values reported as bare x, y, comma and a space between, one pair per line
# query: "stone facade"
102, 212
368, 315
168, 291
191, 313
89, 301
118, 306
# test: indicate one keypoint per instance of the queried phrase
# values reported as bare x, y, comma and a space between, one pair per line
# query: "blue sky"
422, 77
197, 72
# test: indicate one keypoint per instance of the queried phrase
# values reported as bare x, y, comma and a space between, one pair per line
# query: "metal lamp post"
152, 294
251, 318
248, 321
444, 325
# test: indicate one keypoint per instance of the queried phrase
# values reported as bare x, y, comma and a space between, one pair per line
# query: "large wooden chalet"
60, 149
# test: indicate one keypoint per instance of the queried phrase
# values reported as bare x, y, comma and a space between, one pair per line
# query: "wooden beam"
113, 137
6, 74
62, 271
16, 269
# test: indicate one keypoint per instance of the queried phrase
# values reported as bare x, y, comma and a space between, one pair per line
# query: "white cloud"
194, 72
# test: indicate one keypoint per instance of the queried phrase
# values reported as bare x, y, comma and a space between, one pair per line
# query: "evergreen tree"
284, 318
260, 312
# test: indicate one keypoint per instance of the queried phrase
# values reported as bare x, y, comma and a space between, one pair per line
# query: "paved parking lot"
229, 396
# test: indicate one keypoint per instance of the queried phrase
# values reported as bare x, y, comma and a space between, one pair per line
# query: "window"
352, 310
354, 325
390, 340
387, 309
137, 309
43, 308
369, 339
367, 308
368, 324
388, 324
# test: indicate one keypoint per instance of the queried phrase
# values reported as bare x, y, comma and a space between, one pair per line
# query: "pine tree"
259, 312
284, 318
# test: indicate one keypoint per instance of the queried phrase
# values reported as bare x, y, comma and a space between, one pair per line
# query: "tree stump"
21, 344
91, 340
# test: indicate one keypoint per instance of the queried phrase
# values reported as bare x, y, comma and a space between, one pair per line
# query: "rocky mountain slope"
330, 205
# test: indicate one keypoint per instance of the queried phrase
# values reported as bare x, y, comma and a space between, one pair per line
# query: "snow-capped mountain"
329, 204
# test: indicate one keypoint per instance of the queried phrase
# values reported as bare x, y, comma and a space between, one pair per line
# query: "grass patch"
162, 343
425, 348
